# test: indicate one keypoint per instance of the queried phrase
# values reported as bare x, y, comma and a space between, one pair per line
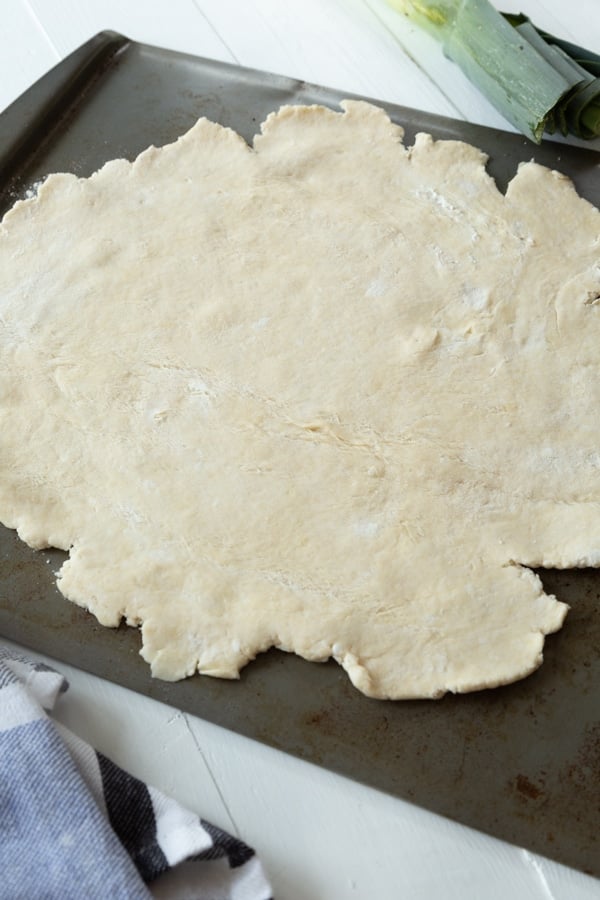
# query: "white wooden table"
321, 837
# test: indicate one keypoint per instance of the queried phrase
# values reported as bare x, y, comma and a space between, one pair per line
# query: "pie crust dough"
327, 393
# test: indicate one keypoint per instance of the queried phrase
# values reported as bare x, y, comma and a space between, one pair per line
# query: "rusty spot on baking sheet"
320, 719
527, 788
584, 770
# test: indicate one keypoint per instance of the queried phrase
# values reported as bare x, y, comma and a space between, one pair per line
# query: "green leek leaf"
538, 82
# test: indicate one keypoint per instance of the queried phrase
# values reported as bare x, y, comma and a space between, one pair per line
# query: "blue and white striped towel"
73, 824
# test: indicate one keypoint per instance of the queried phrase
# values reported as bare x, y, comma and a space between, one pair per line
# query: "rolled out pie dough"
326, 393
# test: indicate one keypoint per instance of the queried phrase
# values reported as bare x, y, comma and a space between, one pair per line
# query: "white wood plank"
563, 883
174, 24
25, 51
336, 43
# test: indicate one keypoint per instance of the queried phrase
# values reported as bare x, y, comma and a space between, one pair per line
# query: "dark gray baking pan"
520, 762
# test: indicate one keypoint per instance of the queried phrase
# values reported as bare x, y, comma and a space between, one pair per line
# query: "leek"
536, 81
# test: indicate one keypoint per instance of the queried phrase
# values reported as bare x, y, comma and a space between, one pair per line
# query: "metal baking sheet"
520, 762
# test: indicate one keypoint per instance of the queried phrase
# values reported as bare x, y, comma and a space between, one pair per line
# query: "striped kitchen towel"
73, 824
